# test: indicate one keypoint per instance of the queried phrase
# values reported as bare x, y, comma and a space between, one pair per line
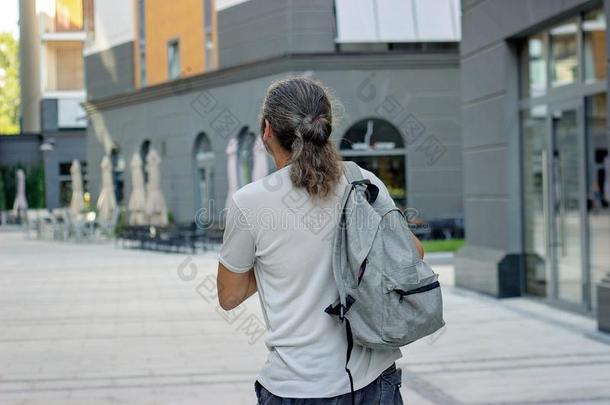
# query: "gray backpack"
388, 296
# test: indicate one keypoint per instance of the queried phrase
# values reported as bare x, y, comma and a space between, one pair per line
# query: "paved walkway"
94, 324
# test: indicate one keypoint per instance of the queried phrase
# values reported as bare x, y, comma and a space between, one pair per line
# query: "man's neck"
281, 160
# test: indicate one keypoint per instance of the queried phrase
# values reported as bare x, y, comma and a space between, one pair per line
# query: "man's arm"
418, 245
234, 288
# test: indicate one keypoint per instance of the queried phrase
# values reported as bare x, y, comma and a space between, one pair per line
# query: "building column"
29, 68
492, 261
603, 304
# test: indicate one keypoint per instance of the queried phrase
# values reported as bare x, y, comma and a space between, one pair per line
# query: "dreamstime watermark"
320, 219
220, 118
412, 130
299, 212
242, 320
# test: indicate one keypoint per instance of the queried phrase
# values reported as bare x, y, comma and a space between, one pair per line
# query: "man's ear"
267, 131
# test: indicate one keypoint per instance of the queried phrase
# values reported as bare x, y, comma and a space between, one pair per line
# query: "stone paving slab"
95, 324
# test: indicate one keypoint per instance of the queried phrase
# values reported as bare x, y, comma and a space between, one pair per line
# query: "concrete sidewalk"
94, 324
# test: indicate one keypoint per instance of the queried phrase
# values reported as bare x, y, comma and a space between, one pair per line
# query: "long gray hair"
299, 112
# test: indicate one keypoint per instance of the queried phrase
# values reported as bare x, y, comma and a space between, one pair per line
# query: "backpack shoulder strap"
354, 176
352, 171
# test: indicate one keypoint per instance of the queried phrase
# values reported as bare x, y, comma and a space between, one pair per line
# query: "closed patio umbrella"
77, 202
156, 209
106, 202
261, 166
137, 200
20, 205
231, 169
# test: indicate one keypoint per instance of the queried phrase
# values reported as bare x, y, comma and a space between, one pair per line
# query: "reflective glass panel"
594, 36
391, 170
564, 61
534, 183
536, 66
598, 190
566, 231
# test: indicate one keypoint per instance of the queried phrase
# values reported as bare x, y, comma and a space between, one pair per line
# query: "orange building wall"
167, 20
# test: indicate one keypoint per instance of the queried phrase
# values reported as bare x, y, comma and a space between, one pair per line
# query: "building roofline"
278, 65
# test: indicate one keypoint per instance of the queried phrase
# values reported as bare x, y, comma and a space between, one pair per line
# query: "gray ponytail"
300, 114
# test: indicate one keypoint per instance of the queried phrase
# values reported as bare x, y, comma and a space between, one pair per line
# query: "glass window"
65, 192
566, 230
374, 134
142, 40
534, 185
377, 135
89, 18
204, 176
594, 38
210, 48
118, 169
68, 15
173, 59
245, 156
598, 189
564, 60
144, 149
391, 171
535, 56
64, 168
65, 69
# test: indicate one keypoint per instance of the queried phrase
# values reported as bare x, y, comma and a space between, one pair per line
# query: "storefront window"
118, 170
594, 37
566, 227
564, 60
391, 171
144, 149
534, 177
372, 134
556, 52
245, 156
204, 171
598, 189
377, 146
535, 58
565, 145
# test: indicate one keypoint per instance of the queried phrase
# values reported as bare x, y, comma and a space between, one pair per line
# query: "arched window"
372, 134
247, 160
378, 146
144, 148
245, 156
203, 159
118, 169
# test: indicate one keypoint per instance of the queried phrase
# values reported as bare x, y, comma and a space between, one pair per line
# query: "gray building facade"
535, 150
21, 149
408, 97
105, 79
52, 151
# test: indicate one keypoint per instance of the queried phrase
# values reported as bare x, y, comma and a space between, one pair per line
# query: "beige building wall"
29, 71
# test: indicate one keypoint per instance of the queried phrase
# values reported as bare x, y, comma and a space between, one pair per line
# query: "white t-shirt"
286, 235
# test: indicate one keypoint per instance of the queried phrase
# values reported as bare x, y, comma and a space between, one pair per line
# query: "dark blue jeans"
385, 390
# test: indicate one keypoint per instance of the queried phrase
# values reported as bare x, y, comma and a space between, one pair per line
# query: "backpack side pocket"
411, 310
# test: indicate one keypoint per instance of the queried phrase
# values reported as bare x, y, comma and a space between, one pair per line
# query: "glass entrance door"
598, 191
566, 208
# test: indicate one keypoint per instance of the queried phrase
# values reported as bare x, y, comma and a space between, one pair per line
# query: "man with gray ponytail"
278, 242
